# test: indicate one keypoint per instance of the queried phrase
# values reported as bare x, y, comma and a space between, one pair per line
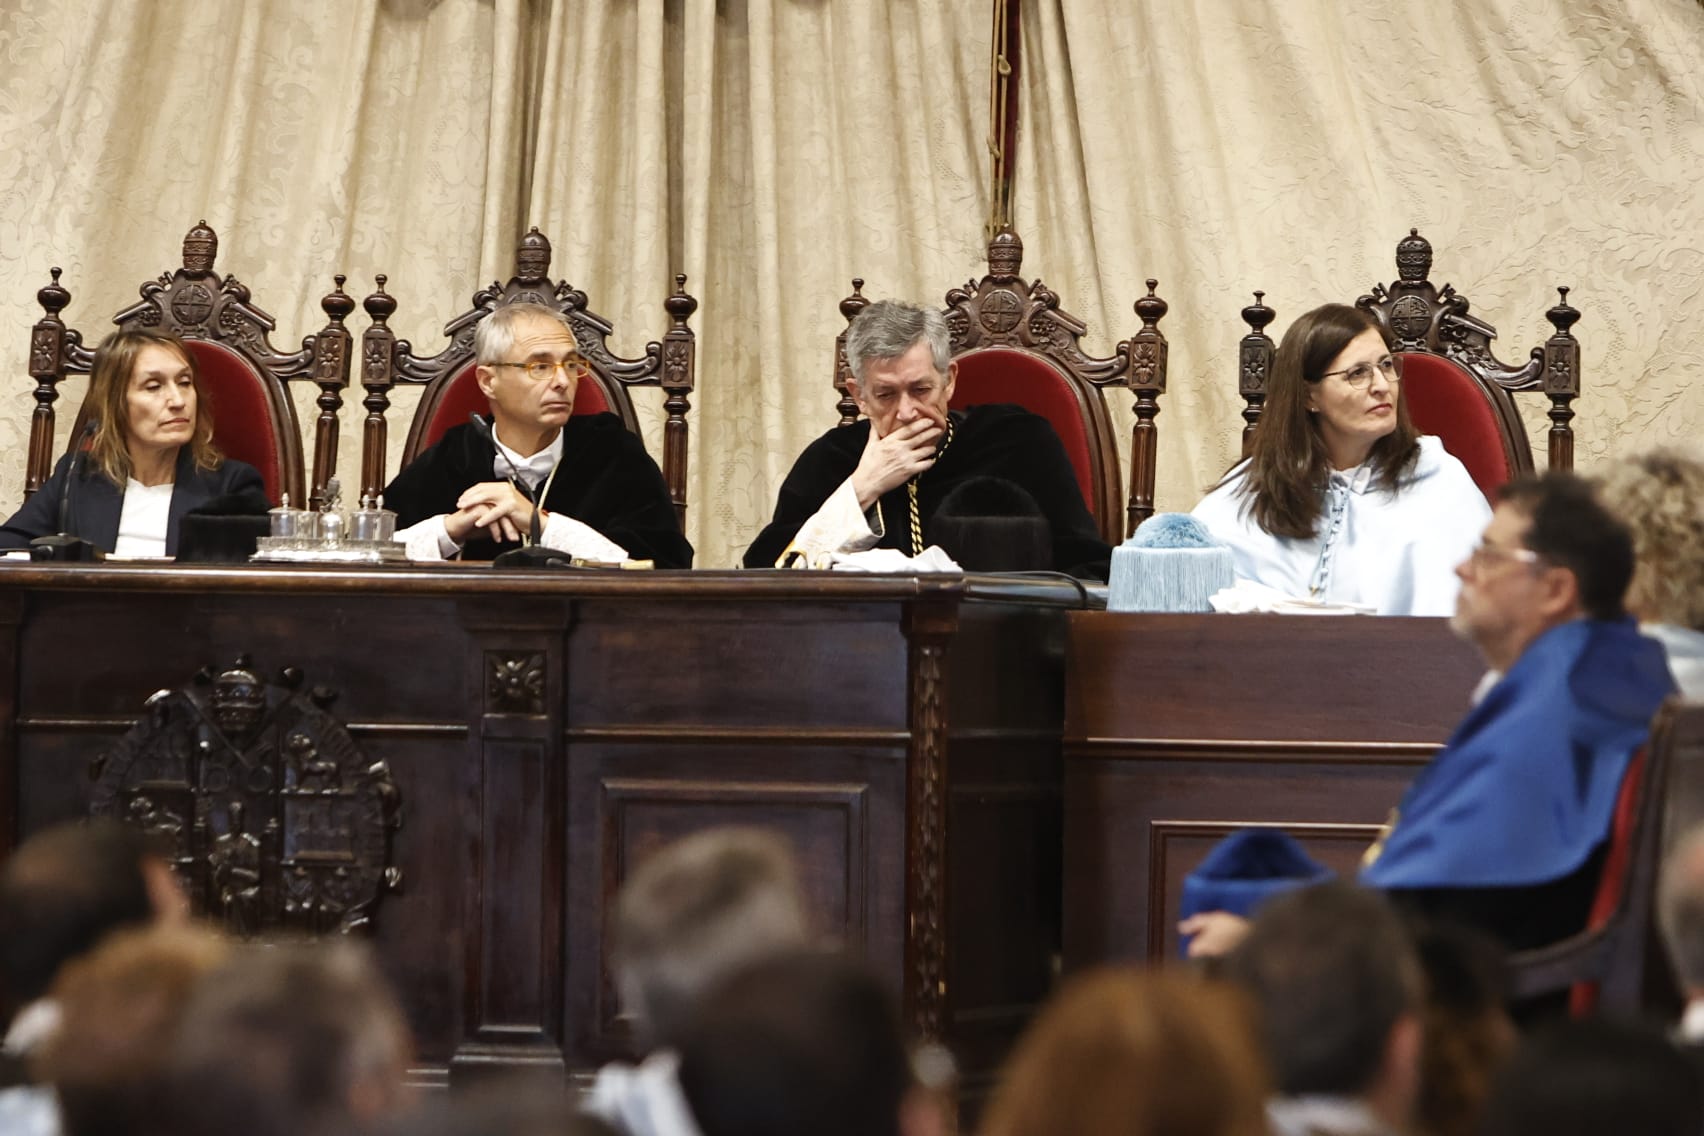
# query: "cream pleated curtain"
1228, 145
773, 149
315, 137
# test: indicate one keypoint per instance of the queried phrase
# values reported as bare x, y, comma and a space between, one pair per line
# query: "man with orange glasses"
596, 492
1506, 828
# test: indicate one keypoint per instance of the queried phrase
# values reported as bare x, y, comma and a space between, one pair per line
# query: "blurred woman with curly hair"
1659, 496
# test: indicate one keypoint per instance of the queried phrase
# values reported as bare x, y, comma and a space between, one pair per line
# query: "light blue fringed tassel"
1172, 563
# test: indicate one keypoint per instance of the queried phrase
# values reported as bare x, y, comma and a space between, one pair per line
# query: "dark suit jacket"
95, 503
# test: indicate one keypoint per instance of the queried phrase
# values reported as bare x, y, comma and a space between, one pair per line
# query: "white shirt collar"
531, 470
1357, 479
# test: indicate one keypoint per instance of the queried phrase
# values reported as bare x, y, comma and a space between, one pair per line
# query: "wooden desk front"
903, 732
1179, 729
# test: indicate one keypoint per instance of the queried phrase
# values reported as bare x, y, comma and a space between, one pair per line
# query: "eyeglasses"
1360, 376
1484, 555
540, 370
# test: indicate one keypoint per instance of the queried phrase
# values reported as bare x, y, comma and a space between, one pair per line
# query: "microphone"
62, 545
533, 555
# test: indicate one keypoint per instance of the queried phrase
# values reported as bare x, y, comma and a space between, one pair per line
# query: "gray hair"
698, 910
888, 329
1680, 908
494, 338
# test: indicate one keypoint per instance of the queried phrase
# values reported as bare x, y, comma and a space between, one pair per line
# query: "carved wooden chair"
1605, 966
243, 375
1455, 386
451, 392
1013, 343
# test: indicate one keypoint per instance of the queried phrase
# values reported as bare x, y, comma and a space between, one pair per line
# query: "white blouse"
142, 523
1393, 552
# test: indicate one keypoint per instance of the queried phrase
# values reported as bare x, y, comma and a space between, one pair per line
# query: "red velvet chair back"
1014, 344
450, 393
1001, 374
1444, 399
1606, 967
244, 377
1617, 870
246, 424
461, 396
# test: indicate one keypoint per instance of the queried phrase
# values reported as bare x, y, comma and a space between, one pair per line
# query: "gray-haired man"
880, 483
597, 493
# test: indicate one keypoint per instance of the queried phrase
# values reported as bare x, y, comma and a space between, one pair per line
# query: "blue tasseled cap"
1172, 530
1171, 563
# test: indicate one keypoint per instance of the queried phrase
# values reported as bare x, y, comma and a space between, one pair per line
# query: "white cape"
1395, 553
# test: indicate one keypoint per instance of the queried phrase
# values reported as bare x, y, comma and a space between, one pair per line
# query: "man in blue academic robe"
1505, 829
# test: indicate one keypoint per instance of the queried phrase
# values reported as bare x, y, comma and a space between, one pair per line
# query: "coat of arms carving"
271, 816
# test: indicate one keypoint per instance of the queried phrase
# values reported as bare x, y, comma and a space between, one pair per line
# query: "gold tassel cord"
911, 496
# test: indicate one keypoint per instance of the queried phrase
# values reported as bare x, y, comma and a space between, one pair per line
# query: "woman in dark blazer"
150, 461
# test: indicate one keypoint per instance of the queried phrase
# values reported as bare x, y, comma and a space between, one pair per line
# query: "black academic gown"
95, 503
605, 480
996, 440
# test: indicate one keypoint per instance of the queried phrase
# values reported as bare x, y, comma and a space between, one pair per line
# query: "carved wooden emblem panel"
273, 820
514, 682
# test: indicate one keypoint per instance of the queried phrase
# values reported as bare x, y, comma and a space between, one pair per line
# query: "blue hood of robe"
1526, 787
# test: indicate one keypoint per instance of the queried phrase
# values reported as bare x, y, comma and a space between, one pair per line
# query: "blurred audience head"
68, 887
1335, 976
1135, 1054
1592, 1077
694, 912
1467, 1034
288, 1039
1680, 910
805, 1042
1659, 496
121, 1005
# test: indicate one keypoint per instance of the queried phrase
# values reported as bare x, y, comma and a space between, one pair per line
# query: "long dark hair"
1290, 464
109, 388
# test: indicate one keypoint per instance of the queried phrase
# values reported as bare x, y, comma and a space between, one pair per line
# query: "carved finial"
856, 302
1257, 315
337, 303
1005, 255
53, 297
1151, 308
532, 257
679, 305
200, 249
1564, 315
380, 305
1413, 258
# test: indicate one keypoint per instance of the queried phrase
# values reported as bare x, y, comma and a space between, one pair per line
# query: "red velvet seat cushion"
243, 427
463, 397
1443, 399
1000, 374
